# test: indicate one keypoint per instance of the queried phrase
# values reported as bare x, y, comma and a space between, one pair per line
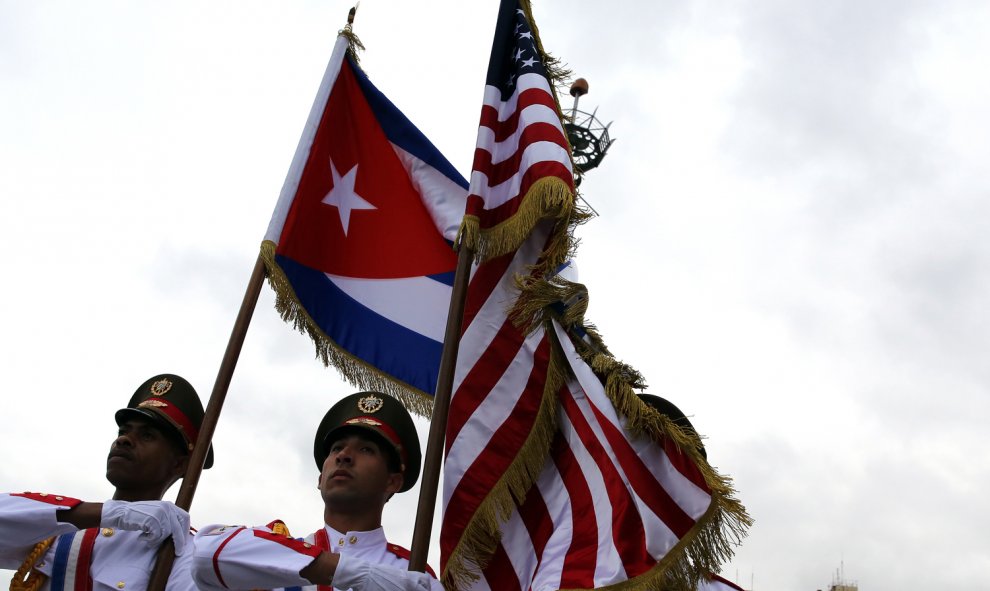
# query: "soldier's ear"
395, 482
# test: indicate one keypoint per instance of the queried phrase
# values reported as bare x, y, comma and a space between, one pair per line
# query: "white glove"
156, 520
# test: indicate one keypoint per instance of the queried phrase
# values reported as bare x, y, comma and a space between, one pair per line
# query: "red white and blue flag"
522, 167
546, 484
359, 246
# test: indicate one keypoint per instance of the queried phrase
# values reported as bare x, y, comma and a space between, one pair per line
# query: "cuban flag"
358, 249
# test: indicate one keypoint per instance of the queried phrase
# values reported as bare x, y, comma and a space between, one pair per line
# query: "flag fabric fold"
358, 249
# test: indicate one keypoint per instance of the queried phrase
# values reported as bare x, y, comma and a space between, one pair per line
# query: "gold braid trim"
354, 370
26, 578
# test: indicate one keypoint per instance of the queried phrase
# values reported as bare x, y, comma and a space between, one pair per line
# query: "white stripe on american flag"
470, 436
538, 116
596, 559
495, 195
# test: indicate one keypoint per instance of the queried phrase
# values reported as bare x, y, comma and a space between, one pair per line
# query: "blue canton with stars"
513, 51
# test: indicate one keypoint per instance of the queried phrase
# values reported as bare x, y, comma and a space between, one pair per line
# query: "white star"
343, 197
529, 62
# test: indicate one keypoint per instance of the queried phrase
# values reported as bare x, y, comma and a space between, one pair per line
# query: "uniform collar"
355, 539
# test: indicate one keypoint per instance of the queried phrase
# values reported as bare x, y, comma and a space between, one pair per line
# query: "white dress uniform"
234, 557
113, 560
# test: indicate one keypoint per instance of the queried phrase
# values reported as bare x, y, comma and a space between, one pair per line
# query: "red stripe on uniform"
216, 556
84, 579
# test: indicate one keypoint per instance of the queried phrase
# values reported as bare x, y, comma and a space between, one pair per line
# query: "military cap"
171, 402
379, 414
666, 407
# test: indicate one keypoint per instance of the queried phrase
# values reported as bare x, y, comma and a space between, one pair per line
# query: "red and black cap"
379, 414
666, 407
171, 402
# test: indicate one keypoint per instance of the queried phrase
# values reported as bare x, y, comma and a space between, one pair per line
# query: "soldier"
666, 407
60, 543
366, 449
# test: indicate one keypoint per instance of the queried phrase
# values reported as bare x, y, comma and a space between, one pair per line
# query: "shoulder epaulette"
405, 554
49, 498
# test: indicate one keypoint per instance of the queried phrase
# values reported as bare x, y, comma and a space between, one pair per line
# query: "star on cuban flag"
362, 234
343, 197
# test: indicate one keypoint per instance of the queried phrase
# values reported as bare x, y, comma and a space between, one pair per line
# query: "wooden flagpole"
166, 554
438, 420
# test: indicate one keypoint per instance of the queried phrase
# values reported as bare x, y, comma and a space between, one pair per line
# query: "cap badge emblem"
363, 421
160, 387
152, 402
370, 404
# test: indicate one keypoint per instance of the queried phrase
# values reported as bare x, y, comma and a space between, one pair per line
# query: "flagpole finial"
589, 138
579, 88
350, 15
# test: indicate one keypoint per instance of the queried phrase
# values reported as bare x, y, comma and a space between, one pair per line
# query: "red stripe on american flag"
582, 558
483, 377
489, 218
628, 534
483, 283
642, 480
684, 464
536, 517
498, 452
504, 170
527, 98
500, 574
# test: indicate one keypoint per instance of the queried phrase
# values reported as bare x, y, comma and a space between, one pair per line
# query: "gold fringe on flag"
354, 370
482, 534
541, 294
705, 547
547, 198
710, 542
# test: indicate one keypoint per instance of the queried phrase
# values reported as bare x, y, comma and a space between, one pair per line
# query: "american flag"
522, 167
602, 506
547, 485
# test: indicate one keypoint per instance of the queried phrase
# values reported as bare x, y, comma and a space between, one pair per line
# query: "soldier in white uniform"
59, 543
366, 449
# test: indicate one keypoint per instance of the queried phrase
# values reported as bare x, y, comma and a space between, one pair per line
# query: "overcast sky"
792, 246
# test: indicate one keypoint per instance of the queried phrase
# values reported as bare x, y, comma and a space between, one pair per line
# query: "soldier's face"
356, 473
143, 461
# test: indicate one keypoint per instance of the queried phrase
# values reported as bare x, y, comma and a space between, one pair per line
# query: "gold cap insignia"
160, 387
152, 402
363, 421
370, 404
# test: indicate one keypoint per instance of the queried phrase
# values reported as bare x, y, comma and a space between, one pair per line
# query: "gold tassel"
26, 578
354, 44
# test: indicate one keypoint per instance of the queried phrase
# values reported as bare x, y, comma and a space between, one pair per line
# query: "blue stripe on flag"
409, 356
401, 131
62, 547
445, 278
